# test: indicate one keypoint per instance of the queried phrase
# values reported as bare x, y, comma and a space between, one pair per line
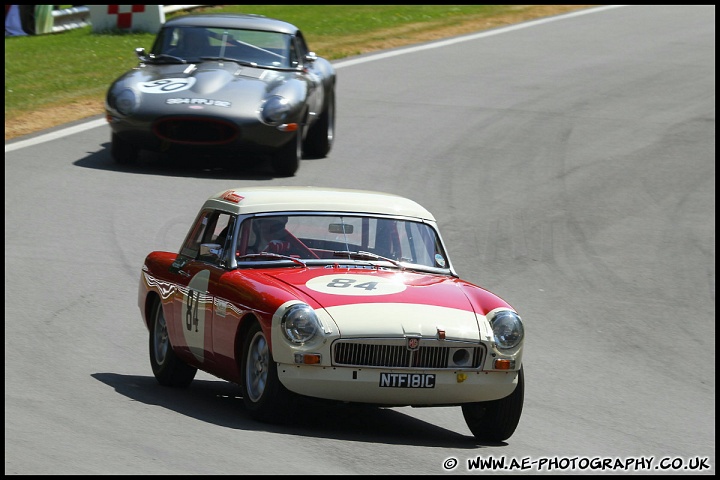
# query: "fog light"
461, 357
504, 364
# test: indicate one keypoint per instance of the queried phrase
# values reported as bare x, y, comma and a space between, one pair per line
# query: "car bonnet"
205, 77
390, 302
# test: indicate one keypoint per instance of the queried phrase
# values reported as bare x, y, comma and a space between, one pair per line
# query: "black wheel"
122, 151
320, 136
265, 397
169, 370
286, 160
496, 420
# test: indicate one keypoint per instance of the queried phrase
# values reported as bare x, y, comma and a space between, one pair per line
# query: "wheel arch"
246, 322
150, 300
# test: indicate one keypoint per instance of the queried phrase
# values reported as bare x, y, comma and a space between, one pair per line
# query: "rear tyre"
286, 161
320, 136
123, 152
496, 420
264, 396
168, 368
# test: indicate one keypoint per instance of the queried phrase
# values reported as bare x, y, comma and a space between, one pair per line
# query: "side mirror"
210, 251
140, 53
310, 57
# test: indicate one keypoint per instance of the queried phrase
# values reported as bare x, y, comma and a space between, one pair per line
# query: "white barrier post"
129, 18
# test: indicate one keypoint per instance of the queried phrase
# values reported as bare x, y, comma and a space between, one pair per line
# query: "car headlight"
507, 328
299, 324
126, 102
275, 110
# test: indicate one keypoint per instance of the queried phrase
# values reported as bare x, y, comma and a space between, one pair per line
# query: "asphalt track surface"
571, 165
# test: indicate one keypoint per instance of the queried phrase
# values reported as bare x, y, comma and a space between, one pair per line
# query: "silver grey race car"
226, 84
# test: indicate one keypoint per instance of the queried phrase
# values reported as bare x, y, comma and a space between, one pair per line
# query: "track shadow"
219, 402
195, 165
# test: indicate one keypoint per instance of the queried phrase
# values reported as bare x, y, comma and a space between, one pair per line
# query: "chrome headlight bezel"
275, 110
508, 329
300, 324
126, 101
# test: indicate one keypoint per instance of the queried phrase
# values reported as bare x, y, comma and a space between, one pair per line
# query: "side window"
221, 231
191, 246
208, 237
292, 53
300, 50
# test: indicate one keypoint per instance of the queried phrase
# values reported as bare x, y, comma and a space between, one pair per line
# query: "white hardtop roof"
247, 200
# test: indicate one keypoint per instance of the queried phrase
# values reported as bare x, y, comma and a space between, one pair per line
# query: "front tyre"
123, 152
496, 420
264, 396
286, 160
320, 136
168, 368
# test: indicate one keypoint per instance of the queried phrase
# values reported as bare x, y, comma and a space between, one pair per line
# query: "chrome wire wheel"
256, 367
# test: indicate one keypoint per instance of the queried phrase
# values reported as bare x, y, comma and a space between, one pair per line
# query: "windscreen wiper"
165, 58
228, 59
360, 255
270, 255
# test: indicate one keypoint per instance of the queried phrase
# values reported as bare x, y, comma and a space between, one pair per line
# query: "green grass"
78, 65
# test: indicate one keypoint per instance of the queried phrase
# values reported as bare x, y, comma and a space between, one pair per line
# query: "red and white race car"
343, 295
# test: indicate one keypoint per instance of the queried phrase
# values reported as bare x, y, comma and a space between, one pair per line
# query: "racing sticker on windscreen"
167, 85
355, 285
407, 380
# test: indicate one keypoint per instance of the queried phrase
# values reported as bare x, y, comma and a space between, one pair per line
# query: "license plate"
407, 380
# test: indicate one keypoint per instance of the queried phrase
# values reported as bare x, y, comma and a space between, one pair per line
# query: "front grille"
432, 354
196, 131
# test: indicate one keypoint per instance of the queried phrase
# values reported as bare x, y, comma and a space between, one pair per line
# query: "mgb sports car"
244, 86
334, 295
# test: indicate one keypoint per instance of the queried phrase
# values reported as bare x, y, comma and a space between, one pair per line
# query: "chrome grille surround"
394, 353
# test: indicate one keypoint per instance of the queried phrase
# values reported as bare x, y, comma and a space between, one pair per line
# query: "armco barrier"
70, 18
78, 17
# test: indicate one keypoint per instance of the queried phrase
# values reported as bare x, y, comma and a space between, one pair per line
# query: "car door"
198, 269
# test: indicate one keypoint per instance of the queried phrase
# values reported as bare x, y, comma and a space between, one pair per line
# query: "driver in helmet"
271, 235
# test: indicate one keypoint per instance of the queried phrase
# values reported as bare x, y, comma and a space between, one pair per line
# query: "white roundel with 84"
354, 285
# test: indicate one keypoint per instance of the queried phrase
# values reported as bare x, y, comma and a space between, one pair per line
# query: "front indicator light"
503, 364
461, 377
288, 127
308, 358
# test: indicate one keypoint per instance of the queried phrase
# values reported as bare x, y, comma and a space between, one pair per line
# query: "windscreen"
312, 237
